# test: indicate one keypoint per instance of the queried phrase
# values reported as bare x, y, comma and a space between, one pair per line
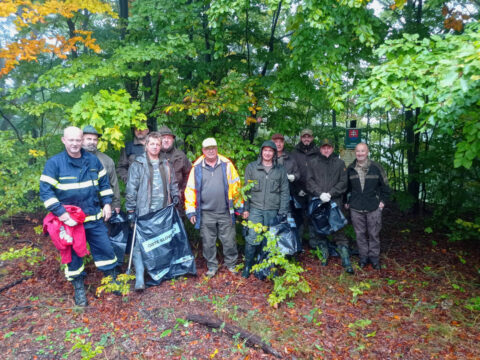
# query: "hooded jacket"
139, 185
271, 191
328, 175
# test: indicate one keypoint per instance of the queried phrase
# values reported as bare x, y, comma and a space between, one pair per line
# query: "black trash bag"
287, 237
118, 230
336, 219
261, 256
319, 213
164, 244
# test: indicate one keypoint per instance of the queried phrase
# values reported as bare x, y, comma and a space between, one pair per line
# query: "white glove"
325, 197
291, 177
70, 222
302, 193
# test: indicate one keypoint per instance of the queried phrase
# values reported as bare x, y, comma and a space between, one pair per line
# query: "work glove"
175, 200
131, 217
291, 177
325, 197
70, 222
302, 193
281, 218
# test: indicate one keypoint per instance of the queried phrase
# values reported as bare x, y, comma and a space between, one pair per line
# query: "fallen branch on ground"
8, 286
251, 339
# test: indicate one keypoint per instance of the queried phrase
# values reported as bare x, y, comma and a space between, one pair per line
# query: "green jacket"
271, 192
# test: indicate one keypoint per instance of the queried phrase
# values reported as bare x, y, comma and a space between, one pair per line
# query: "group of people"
157, 174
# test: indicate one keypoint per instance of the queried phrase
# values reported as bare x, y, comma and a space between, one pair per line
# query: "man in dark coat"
327, 179
178, 160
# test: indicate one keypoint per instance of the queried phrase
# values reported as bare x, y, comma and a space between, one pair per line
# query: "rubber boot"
375, 263
345, 255
323, 247
250, 251
80, 296
139, 269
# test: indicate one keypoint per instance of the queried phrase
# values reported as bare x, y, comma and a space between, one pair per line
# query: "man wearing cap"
131, 150
76, 177
89, 143
269, 198
303, 154
177, 159
284, 158
328, 180
212, 185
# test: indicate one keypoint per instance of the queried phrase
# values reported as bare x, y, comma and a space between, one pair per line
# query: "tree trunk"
413, 140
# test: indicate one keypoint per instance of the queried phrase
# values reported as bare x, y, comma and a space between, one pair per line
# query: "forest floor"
413, 308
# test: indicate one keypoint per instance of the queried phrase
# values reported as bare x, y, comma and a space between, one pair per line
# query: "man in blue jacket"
76, 177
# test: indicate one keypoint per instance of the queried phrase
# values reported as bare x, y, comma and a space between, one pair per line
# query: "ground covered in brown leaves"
414, 308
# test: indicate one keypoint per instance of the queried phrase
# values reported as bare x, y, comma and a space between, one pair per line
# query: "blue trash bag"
118, 230
164, 245
336, 219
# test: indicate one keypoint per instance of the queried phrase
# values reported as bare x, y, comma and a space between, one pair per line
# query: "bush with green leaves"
20, 169
286, 274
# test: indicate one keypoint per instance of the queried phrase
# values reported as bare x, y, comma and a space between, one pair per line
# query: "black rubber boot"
345, 255
375, 263
323, 246
80, 296
250, 251
363, 262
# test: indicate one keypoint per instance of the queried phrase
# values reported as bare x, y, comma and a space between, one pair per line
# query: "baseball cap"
277, 136
209, 142
306, 132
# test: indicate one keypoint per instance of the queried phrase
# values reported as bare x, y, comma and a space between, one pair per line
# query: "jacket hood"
270, 144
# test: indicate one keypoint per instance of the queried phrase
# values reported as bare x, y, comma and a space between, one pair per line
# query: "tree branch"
13, 127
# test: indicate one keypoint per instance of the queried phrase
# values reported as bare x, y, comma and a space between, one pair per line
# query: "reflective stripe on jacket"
193, 191
68, 182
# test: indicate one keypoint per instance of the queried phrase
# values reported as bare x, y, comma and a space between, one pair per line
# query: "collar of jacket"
330, 158
307, 149
83, 153
171, 149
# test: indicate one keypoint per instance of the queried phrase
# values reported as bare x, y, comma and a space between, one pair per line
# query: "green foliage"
20, 170
121, 285
286, 275
473, 304
464, 230
28, 253
78, 338
111, 113
358, 290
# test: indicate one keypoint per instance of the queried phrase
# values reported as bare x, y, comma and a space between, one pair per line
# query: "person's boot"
345, 256
80, 296
323, 246
375, 263
363, 262
139, 270
249, 260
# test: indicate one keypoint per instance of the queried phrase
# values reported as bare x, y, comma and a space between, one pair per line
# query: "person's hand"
302, 193
193, 219
347, 206
325, 197
117, 210
281, 218
291, 177
175, 200
131, 218
67, 220
245, 214
107, 212
381, 205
